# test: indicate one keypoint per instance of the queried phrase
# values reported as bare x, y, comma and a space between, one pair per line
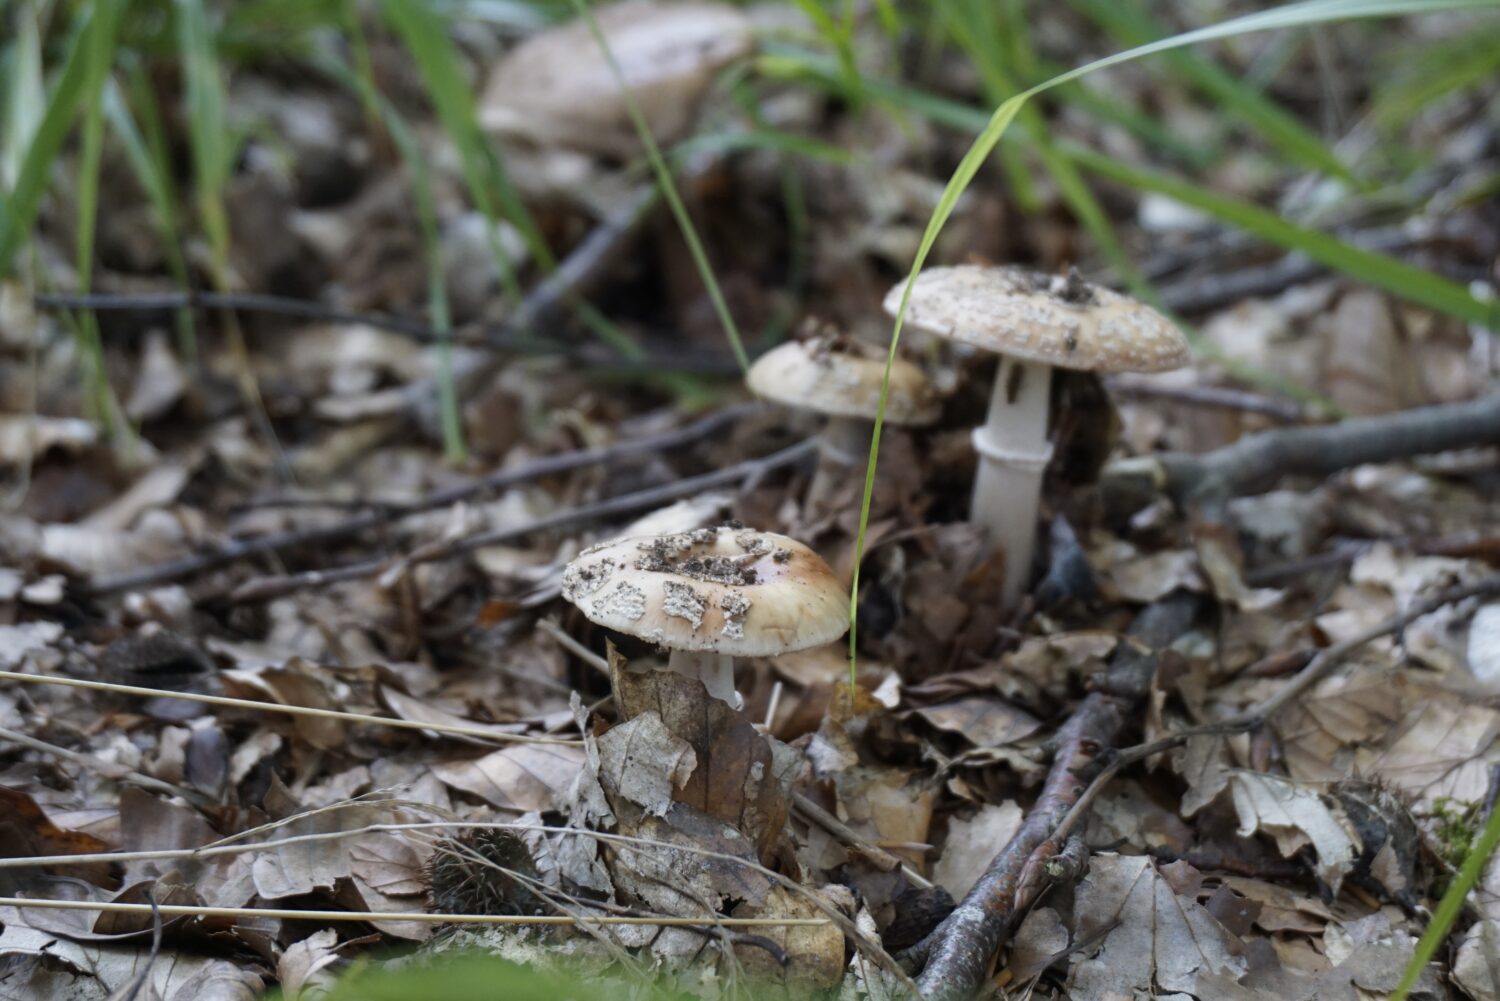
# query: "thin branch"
1282, 411
1257, 461
481, 732
382, 513
960, 950
268, 588
504, 338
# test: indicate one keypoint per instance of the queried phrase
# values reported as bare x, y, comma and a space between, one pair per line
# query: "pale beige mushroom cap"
557, 88
841, 376
729, 590
1051, 319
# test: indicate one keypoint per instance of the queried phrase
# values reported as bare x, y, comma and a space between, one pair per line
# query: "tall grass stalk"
379, 110
213, 150
669, 191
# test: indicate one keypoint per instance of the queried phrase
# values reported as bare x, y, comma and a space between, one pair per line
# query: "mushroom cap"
728, 590
841, 376
557, 87
1051, 319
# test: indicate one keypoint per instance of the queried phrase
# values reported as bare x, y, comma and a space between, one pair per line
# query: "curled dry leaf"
1296, 817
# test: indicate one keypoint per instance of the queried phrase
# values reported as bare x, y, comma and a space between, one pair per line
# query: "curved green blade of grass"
669, 190
1291, 15
99, 53
19, 208
1451, 905
362, 80
148, 158
1131, 25
424, 34
1388, 273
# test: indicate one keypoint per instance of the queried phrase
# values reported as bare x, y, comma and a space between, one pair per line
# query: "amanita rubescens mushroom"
839, 376
1034, 322
557, 87
709, 596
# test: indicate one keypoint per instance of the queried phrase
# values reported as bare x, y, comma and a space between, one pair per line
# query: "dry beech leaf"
972, 843
1477, 967
40, 965
303, 967
417, 710
521, 777
1445, 747
1295, 818
642, 762
740, 777
815, 954
982, 720
1150, 939
302, 867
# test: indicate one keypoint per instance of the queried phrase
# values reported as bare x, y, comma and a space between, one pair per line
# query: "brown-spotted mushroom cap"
557, 87
733, 591
841, 376
1052, 319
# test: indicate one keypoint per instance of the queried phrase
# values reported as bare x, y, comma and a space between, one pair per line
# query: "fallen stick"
959, 951
267, 588
380, 514
1257, 461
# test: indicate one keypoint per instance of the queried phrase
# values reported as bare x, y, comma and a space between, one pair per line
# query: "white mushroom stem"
1013, 453
715, 670
845, 441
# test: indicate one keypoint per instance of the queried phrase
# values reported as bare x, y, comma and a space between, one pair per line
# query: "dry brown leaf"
1295, 818
740, 776
303, 967
645, 764
972, 843
982, 720
522, 777
1150, 939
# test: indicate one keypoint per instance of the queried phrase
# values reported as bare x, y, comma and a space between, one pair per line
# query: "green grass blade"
1448, 66
669, 192
1450, 906
426, 39
424, 34
363, 82
25, 95
1291, 15
148, 158
1131, 25
18, 212
1397, 277
99, 53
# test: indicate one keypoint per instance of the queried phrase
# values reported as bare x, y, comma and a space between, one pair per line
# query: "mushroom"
709, 596
557, 87
840, 376
1034, 322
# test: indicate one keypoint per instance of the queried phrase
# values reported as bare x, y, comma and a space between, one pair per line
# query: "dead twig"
382, 513
503, 338
1257, 461
1212, 397
815, 814
268, 588
959, 951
